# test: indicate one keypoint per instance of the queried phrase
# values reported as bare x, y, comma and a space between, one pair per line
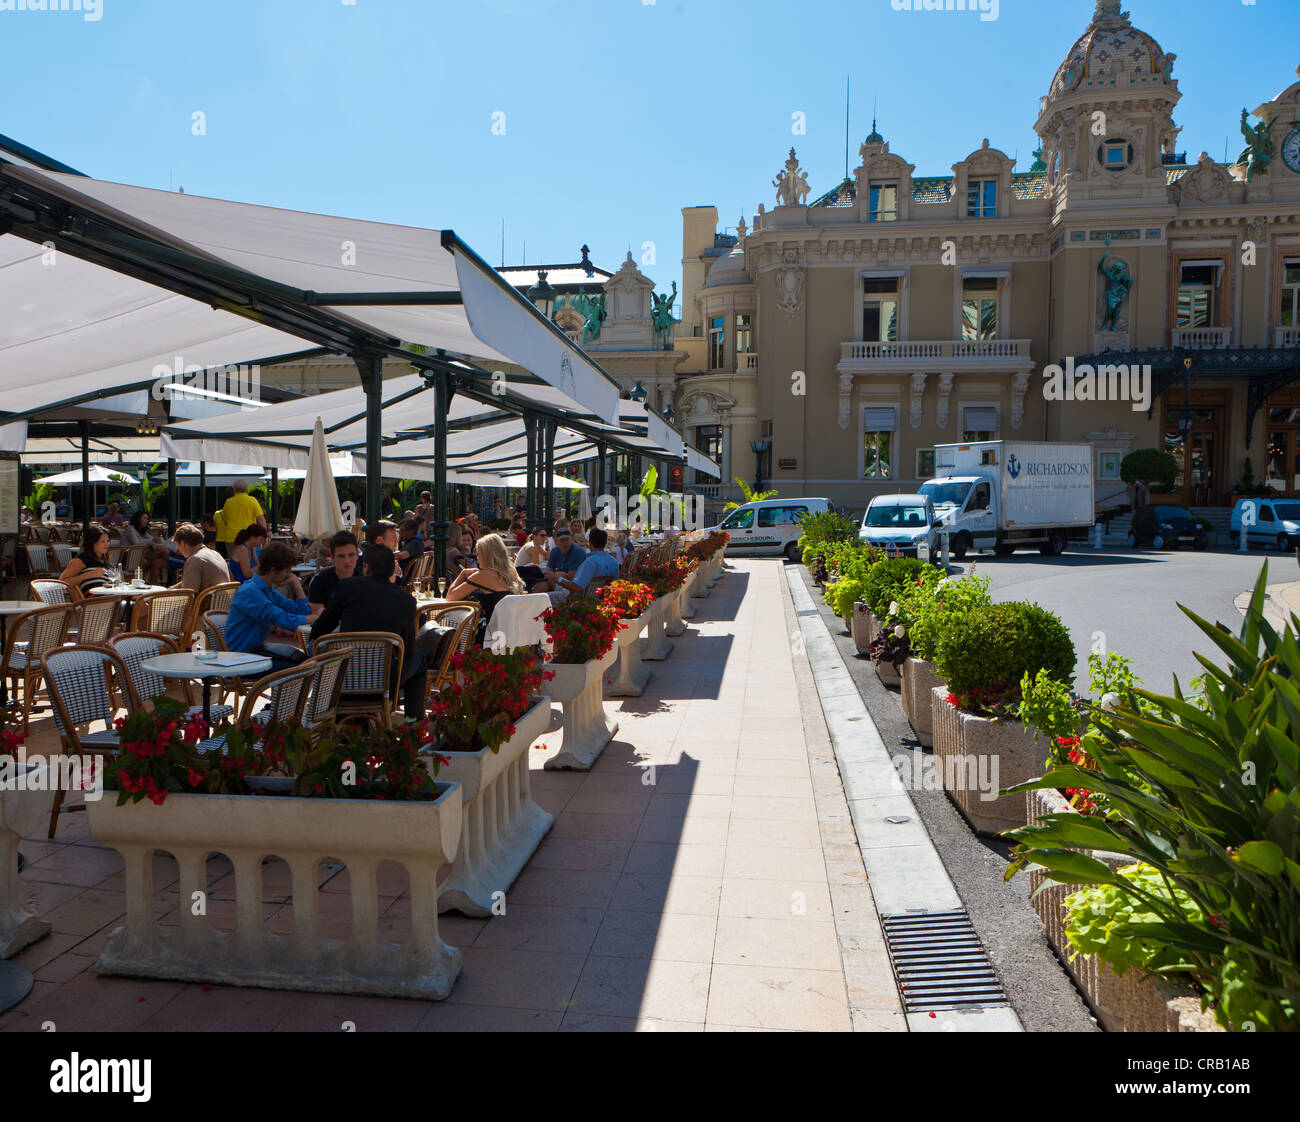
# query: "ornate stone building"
895, 312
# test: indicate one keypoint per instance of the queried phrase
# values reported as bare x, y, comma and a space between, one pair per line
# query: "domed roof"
1112, 56
728, 269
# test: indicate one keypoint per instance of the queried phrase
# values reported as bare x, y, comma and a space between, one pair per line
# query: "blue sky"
617, 112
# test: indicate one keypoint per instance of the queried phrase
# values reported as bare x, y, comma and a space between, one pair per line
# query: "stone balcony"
947, 355
1201, 338
1286, 337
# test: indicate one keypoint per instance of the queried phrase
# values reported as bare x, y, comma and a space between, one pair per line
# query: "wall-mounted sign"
788, 465
10, 500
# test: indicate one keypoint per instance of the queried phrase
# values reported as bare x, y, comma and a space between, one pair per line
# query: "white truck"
1004, 494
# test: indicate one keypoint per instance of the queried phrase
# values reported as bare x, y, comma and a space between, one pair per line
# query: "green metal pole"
441, 524
275, 499
530, 431
87, 503
370, 367
548, 473
171, 496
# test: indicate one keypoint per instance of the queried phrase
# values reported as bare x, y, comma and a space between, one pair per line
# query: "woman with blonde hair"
493, 580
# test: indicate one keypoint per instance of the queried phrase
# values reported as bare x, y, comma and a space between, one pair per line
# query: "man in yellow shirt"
240, 510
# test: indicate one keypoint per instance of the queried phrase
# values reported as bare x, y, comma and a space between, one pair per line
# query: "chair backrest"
95, 618
42, 629
115, 556
326, 688
64, 553
50, 590
8, 549
464, 617
132, 559
284, 692
134, 648
213, 625
376, 658
78, 679
164, 613
39, 558
215, 598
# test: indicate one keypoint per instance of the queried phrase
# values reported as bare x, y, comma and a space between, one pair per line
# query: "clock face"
1291, 149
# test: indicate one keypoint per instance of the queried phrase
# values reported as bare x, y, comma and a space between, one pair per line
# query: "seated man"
382, 533
271, 603
563, 561
203, 567
375, 603
596, 565
345, 555
409, 545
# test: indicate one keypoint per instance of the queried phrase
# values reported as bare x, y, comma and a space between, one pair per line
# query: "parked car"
902, 522
1277, 523
1166, 527
770, 527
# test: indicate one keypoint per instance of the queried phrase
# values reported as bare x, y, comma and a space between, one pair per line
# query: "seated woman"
136, 532
491, 582
530, 561
460, 555
89, 569
245, 551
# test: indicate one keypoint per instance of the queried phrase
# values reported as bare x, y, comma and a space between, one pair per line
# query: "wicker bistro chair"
94, 619
52, 590
285, 693
464, 617
80, 682
136, 647
371, 675
164, 613
213, 627
30, 636
132, 559
9, 559
326, 689
64, 553
40, 560
216, 598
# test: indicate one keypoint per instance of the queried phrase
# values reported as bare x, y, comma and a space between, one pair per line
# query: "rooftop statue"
1258, 153
662, 315
592, 310
791, 184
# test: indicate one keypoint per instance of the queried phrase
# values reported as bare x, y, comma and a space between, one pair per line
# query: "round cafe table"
129, 590
187, 666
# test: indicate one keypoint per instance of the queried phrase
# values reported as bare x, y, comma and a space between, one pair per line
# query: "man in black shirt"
410, 545
344, 554
374, 603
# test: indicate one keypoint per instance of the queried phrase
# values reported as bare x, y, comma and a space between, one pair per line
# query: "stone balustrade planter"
977, 757
1122, 1002
632, 674
919, 681
658, 645
674, 624
501, 826
684, 605
860, 626
362, 833
24, 813
587, 727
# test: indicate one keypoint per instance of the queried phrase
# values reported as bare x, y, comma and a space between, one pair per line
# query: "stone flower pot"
1122, 1002
501, 826
24, 813
632, 675
674, 624
362, 833
919, 681
977, 757
658, 646
860, 626
587, 727
686, 609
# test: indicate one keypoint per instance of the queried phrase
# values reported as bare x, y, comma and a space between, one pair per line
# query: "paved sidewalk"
701, 877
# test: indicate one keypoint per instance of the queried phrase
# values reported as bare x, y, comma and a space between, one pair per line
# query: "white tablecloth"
514, 619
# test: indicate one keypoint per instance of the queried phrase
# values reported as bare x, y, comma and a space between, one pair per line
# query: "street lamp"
760, 448
639, 393
542, 295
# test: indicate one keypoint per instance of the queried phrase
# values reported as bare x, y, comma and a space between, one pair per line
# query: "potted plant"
663, 580
485, 722
928, 613
888, 583
26, 800
1201, 795
982, 744
361, 798
630, 602
582, 632
683, 569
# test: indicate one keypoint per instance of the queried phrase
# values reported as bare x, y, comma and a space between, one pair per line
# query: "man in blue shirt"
270, 603
564, 560
596, 565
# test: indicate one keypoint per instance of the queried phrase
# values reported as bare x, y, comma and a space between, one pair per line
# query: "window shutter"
879, 420
981, 418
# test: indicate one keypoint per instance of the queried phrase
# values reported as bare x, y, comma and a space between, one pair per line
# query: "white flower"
942, 583
1110, 702
900, 632
893, 607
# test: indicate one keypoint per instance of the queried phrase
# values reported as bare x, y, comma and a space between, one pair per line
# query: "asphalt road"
1128, 600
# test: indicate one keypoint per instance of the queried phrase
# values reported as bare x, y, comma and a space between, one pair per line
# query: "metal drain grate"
940, 963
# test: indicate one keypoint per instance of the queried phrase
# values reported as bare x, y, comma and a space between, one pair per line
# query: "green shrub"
894, 578
843, 594
1206, 791
821, 529
932, 611
985, 659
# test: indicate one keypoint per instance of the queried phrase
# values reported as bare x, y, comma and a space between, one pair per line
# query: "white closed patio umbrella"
98, 474
584, 505
319, 512
560, 482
